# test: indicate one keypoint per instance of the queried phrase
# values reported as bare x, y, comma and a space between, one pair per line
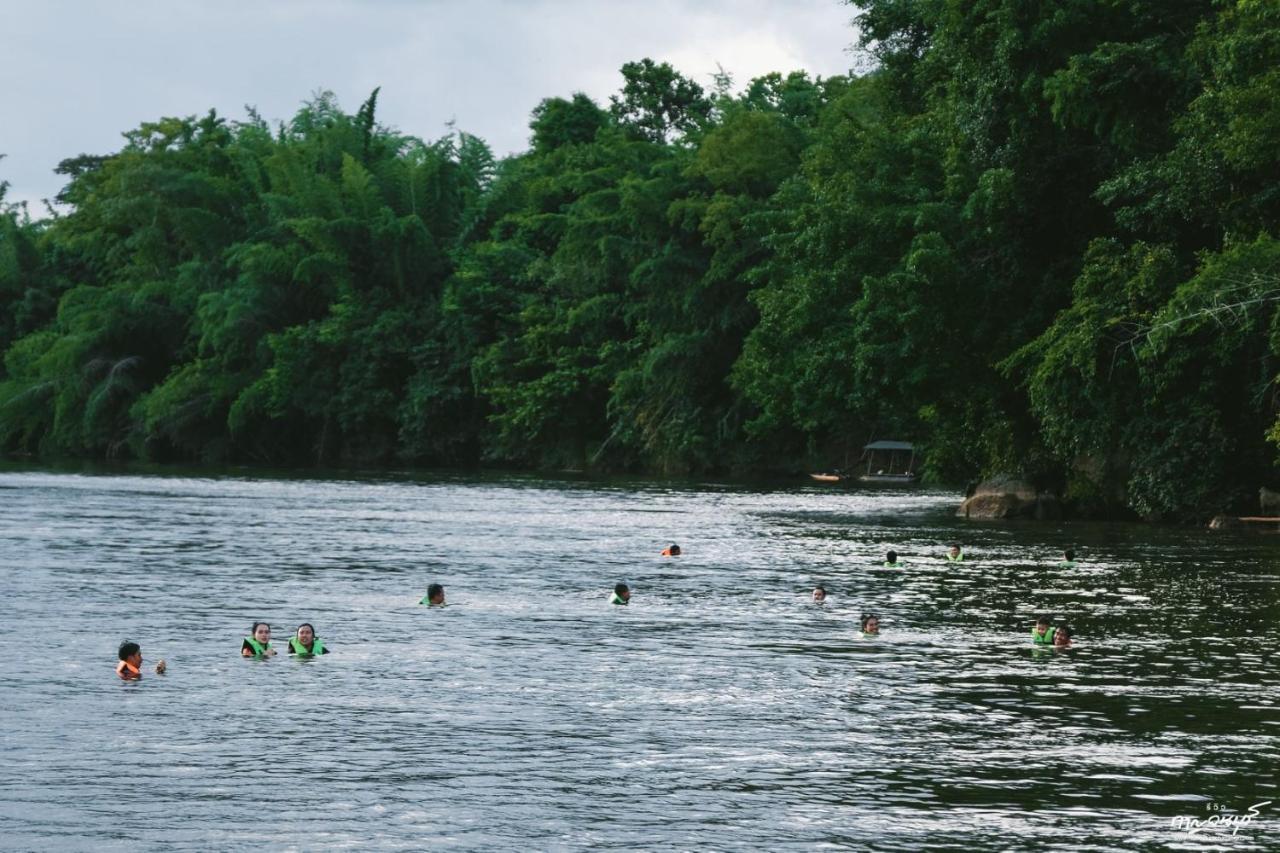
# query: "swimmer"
1068, 559
1062, 637
434, 596
870, 625
130, 666
306, 643
672, 550
819, 594
955, 554
891, 561
258, 643
1042, 634
621, 594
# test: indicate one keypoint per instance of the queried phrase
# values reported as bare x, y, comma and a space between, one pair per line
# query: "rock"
1269, 501
1009, 497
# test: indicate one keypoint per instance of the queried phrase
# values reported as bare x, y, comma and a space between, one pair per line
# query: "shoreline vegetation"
1043, 245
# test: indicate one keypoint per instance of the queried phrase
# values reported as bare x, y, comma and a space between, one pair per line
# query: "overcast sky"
78, 73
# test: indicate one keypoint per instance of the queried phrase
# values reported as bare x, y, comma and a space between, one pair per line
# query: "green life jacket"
896, 565
958, 558
1045, 639
1067, 564
259, 649
617, 599
317, 646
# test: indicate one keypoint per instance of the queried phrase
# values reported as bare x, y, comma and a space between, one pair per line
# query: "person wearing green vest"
305, 643
891, 561
1068, 559
955, 554
258, 643
1042, 634
434, 596
870, 625
621, 594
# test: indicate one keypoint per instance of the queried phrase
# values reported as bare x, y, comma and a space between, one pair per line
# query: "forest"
1033, 238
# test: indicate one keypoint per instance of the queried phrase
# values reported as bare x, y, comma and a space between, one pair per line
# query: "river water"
722, 709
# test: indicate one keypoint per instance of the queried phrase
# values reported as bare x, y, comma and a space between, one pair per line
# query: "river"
721, 709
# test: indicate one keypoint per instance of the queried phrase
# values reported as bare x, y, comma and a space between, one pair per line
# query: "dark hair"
955, 545
892, 556
434, 589
867, 617
1069, 554
307, 625
1065, 629
674, 549
620, 588
128, 650
820, 588
254, 629
1042, 620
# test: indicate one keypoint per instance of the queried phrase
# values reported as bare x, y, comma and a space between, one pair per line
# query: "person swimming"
621, 594
891, 561
306, 643
434, 596
1041, 633
672, 550
258, 643
870, 625
1068, 559
130, 666
1062, 637
955, 554
819, 594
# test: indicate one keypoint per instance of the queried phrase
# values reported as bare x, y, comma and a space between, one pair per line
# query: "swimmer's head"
1042, 622
435, 594
129, 650
622, 591
954, 551
306, 633
1069, 554
819, 593
674, 550
261, 632
870, 623
891, 557
1062, 636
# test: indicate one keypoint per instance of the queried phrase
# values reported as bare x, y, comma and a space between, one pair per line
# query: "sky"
78, 73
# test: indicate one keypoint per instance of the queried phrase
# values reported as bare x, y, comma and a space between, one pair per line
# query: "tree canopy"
1033, 238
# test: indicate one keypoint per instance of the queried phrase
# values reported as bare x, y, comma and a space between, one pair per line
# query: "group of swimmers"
1042, 633
305, 643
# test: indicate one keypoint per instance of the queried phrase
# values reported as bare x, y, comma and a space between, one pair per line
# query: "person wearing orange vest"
672, 550
130, 666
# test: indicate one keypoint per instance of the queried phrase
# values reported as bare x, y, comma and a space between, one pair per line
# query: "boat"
826, 478
889, 462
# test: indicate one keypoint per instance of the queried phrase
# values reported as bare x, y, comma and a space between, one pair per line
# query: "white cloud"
78, 74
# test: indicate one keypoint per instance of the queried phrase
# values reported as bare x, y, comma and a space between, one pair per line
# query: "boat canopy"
889, 445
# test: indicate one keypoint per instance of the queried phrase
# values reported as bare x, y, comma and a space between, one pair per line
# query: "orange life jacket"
667, 552
128, 671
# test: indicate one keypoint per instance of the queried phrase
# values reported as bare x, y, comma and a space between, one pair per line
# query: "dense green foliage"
1040, 238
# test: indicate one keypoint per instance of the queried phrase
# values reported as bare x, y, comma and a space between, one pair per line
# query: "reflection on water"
721, 709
